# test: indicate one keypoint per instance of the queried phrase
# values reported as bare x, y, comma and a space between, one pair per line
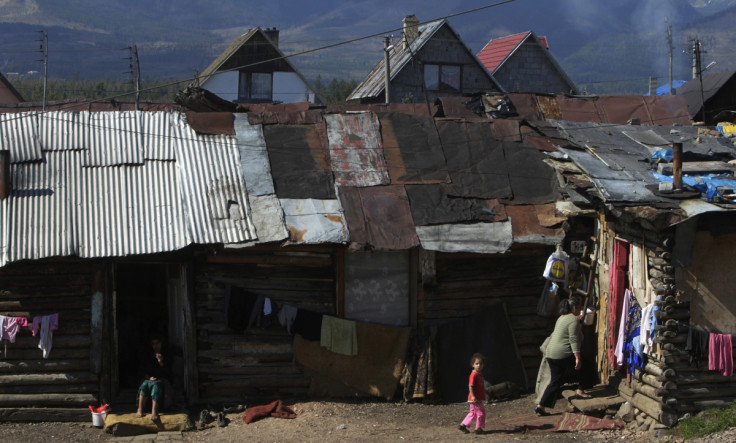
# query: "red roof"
496, 51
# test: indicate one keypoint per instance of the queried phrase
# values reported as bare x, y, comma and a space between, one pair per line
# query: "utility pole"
669, 46
44, 50
696, 58
387, 63
135, 71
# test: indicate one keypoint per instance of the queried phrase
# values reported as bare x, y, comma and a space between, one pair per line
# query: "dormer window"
255, 87
445, 78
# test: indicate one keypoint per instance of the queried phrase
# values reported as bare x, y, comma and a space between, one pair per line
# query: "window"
255, 87
443, 77
377, 287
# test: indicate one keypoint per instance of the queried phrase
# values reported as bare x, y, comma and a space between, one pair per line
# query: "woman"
563, 352
156, 369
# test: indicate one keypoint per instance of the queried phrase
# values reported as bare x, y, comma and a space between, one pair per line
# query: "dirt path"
339, 421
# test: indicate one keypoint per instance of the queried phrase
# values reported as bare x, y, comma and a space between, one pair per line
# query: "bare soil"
353, 420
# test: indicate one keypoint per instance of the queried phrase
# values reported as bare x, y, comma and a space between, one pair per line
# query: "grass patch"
707, 422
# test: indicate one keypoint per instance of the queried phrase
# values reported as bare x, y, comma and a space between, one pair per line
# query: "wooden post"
677, 166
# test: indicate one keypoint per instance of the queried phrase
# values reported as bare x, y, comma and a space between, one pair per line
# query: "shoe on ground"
541, 412
479, 431
464, 429
221, 420
204, 418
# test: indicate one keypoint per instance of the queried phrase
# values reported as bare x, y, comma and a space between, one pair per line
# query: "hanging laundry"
616, 297
646, 329
623, 318
286, 316
632, 342
45, 324
720, 356
9, 327
697, 345
339, 335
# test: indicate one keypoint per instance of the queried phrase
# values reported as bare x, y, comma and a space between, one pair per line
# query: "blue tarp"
665, 89
707, 184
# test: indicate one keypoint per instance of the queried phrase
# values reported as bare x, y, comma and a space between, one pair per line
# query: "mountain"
600, 43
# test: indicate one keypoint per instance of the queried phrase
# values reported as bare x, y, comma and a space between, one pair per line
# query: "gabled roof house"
8, 94
430, 61
522, 63
254, 70
715, 93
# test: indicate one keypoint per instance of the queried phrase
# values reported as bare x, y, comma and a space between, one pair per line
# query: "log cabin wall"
72, 375
466, 283
259, 363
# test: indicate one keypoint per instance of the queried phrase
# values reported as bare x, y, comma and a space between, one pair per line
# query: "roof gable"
8, 94
374, 83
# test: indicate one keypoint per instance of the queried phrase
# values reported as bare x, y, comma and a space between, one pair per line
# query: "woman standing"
563, 353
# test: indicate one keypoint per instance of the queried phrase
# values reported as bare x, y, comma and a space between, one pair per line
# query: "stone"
625, 413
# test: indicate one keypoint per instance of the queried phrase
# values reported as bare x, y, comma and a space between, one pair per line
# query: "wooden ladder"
586, 262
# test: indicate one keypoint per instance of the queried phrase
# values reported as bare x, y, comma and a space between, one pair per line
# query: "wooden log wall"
70, 376
466, 283
669, 386
259, 363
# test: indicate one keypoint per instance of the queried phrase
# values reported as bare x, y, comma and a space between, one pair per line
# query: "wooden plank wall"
66, 378
467, 283
234, 367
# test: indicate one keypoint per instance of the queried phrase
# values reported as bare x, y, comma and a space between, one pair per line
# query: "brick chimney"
273, 35
411, 29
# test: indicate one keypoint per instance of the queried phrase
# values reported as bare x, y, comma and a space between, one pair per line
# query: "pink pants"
477, 411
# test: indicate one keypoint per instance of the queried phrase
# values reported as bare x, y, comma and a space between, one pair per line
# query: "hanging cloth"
617, 285
45, 325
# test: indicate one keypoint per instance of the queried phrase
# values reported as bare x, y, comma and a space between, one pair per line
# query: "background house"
253, 70
429, 61
716, 93
523, 63
8, 94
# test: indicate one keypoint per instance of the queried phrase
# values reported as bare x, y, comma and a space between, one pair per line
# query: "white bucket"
98, 419
589, 316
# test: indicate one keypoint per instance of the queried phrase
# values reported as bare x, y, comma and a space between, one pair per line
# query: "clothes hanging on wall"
621, 336
697, 345
45, 324
308, 324
720, 355
339, 335
617, 285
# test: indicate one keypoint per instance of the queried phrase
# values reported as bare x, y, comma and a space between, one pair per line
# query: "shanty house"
424, 227
712, 99
523, 63
429, 61
254, 70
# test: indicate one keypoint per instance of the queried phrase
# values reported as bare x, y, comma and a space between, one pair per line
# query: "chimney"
273, 35
677, 166
411, 29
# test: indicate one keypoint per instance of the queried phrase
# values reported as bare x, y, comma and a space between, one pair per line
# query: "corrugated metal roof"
64, 130
19, 134
60, 206
115, 138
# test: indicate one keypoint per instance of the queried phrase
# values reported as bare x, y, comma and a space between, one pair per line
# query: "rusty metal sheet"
667, 110
576, 109
213, 123
549, 107
430, 206
506, 129
482, 238
412, 149
419, 109
356, 152
314, 221
297, 117
379, 216
528, 227
268, 219
526, 106
475, 160
542, 143
300, 162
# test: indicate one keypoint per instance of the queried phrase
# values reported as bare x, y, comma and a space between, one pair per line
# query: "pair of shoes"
204, 418
479, 431
221, 420
582, 396
464, 429
541, 412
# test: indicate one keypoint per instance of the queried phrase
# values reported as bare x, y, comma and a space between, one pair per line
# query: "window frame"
439, 67
245, 87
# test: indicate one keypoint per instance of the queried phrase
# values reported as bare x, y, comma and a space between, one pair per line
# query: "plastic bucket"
98, 419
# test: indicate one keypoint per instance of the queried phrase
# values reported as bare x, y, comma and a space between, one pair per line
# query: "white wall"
224, 85
287, 87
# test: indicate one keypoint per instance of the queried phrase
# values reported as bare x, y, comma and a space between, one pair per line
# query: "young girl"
476, 396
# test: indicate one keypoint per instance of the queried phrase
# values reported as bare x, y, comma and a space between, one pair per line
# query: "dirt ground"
340, 420
365, 421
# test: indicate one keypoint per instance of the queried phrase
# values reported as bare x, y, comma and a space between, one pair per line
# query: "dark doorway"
141, 311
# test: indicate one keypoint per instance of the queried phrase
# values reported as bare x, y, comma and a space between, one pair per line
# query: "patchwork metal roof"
99, 185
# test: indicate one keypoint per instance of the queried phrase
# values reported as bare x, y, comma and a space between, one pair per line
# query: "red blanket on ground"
274, 409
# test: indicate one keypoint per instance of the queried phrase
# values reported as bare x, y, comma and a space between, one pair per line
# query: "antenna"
44, 50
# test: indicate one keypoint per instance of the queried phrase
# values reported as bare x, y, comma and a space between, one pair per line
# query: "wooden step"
604, 398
